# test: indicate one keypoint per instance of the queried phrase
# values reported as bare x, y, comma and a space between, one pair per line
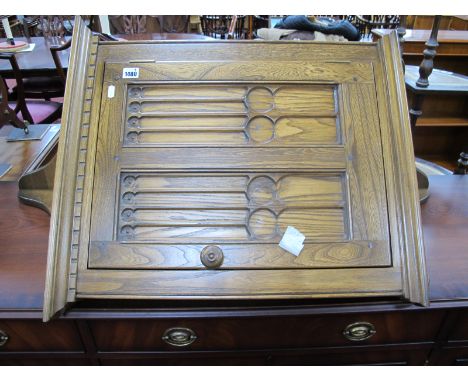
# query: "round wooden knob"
212, 256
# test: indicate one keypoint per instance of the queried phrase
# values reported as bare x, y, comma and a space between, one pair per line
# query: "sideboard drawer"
32, 335
460, 330
200, 359
52, 361
450, 356
266, 332
402, 355
405, 355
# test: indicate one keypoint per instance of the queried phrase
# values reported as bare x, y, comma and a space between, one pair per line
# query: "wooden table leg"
423, 180
427, 64
462, 168
415, 110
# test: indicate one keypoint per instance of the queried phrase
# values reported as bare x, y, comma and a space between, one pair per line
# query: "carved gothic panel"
181, 180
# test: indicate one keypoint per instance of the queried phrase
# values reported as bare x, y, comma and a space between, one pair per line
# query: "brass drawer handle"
3, 338
179, 336
359, 331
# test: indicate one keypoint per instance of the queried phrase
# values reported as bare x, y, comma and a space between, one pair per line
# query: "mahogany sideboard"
257, 333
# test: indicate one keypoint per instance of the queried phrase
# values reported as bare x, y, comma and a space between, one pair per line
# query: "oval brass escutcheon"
3, 338
212, 256
359, 331
179, 336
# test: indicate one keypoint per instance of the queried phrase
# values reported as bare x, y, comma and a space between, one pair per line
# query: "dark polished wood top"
22, 155
451, 43
39, 61
445, 231
24, 235
422, 35
440, 81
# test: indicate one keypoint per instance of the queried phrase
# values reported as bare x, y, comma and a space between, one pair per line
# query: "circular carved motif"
133, 122
134, 107
261, 129
262, 224
129, 181
135, 92
127, 214
260, 99
127, 230
132, 137
262, 190
128, 197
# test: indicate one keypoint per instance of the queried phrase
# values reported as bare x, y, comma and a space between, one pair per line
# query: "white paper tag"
131, 73
292, 241
111, 91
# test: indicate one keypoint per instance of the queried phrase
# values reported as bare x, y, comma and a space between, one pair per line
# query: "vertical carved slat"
402, 187
85, 122
65, 206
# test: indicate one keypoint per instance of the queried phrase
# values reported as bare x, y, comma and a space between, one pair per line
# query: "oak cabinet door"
197, 157
232, 165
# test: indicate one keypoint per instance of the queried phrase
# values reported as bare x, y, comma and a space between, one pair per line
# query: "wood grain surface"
229, 146
255, 207
23, 155
69, 178
444, 218
227, 115
23, 262
23, 247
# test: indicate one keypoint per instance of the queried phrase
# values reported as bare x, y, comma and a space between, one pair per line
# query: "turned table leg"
427, 64
462, 168
415, 110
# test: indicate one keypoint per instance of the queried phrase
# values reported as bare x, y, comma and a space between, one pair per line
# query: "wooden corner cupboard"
181, 164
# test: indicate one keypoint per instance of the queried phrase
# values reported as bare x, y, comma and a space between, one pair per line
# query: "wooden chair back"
7, 114
58, 63
174, 24
20, 97
223, 27
365, 23
128, 24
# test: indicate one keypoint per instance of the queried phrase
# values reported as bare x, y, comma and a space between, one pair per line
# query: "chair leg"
21, 106
57, 114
